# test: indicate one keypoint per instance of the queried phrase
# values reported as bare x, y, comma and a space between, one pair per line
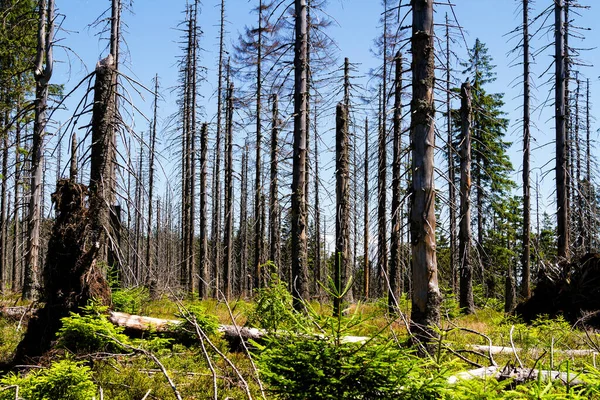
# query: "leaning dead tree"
426, 297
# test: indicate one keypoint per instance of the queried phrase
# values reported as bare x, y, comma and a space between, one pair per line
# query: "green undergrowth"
303, 356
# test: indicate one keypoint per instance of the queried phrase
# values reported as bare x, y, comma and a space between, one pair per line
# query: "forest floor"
195, 362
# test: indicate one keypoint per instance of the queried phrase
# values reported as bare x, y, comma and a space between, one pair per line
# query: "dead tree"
42, 74
426, 297
274, 229
318, 264
579, 200
243, 236
395, 285
450, 156
228, 238
342, 219
15, 276
588, 173
3, 211
526, 256
299, 210
203, 285
258, 223
382, 252
466, 269
351, 261
110, 251
216, 198
72, 273
562, 205
367, 264
149, 267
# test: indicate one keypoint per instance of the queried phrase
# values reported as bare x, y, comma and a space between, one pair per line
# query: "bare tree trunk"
395, 265
569, 148
342, 220
216, 207
579, 200
150, 273
274, 230
245, 279
367, 264
102, 163
465, 240
3, 211
426, 297
137, 264
42, 74
110, 252
562, 205
258, 233
299, 211
351, 261
318, 250
228, 239
186, 160
526, 256
588, 170
16, 223
192, 273
450, 157
382, 254
203, 286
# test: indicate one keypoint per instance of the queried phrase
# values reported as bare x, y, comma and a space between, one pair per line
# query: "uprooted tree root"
71, 274
571, 290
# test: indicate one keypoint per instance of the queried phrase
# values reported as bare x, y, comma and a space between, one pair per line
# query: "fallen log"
16, 313
518, 375
136, 325
509, 350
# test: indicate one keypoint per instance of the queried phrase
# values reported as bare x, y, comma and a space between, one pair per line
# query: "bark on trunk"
299, 212
244, 275
366, 261
466, 269
426, 297
203, 285
342, 219
450, 156
3, 210
562, 206
526, 256
228, 239
258, 223
216, 198
150, 272
274, 236
42, 75
396, 265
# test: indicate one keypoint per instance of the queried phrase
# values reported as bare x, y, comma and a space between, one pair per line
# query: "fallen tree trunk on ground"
518, 375
136, 325
16, 313
509, 350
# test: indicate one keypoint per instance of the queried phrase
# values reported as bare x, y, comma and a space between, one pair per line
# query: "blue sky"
152, 40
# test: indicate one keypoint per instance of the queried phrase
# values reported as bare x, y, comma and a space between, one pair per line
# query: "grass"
128, 376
